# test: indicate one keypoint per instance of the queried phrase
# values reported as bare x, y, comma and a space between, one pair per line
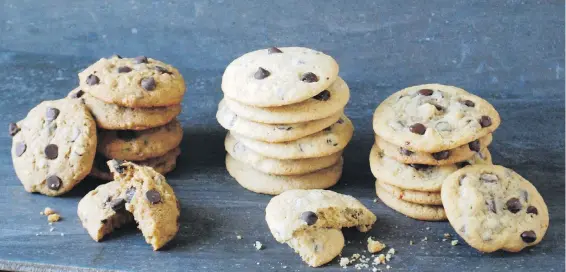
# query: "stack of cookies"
423, 134
284, 108
134, 102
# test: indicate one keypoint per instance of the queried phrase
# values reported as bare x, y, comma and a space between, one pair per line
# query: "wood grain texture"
510, 53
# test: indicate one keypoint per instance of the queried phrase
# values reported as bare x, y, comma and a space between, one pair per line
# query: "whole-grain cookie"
318, 246
433, 117
324, 104
115, 117
494, 208
240, 152
419, 177
139, 82
271, 132
138, 145
278, 76
329, 141
413, 196
412, 210
263, 183
451, 156
53, 147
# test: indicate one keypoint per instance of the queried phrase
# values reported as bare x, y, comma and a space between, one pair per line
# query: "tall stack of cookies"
284, 108
135, 102
423, 134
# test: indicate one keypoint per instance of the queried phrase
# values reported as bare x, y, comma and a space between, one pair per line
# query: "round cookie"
268, 132
433, 117
322, 105
133, 82
417, 197
494, 208
240, 152
141, 144
278, 76
412, 210
115, 117
53, 147
451, 156
318, 246
323, 143
263, 183
417, 177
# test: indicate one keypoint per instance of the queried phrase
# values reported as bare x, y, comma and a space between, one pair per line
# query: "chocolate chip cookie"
412, 210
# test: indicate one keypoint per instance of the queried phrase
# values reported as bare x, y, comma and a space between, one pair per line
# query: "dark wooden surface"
509, 52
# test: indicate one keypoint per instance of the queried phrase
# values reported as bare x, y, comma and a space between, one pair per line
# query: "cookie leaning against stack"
134, 102
424, 134
284, 109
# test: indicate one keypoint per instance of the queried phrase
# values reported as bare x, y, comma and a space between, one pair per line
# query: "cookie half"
318, 246
412, 210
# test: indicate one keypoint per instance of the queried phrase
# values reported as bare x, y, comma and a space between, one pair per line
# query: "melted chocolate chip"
514, 205
54, 182
51, 151
92, 80
148, 83
77, 94
20, 149
140, 59
491, 205
485, 121
261, 73
13, 129
405, 152
162, 70
442, 155
309, 217
420, 166
51, 114
532, 210
426, 92
309, 77
130, 192
124, 69
475, 146
287, 128
529, 236
322, 96
469, 103
274, 50
462, 164
126, 135
418, 128
118, 204
153, 196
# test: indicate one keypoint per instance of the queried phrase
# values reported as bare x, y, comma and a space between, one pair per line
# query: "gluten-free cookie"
412, 210
494, 208
138, 82
53, 148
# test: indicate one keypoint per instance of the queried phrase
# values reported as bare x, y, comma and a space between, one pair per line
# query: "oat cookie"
278, 76
139, 82
115, 117
494, 208
324, 143
417, 197
322, 105
53, 147
240, 152
451, 156
141, 144
433, 117
263, 183
318, 246
412, 210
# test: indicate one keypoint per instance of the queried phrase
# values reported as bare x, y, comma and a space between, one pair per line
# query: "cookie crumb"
375, 246
379, 259
48, 211
62, 234
54, 217
391, 251
239, 237
411, 242
388, 267
258, 245
51, 229
447, 235
454, 242
388, 257
41, 213
344, 262
425, 239
375, 200
427, 228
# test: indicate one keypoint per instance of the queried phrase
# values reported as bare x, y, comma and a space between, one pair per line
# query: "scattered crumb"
447, 235
388, 267
391, 251
239, 237
344, 262
375, 200
427, 228
354, 257
258, 245
257, 263
51, 229
41, 213
374, 269
379, 259
411, 242
53, 217
444, 240
425, 239
361, 266
454, 242
48, 211
375, 246
50, 223
37, 234
62, 234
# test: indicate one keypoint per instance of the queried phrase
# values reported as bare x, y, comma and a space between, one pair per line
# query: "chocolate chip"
51, 151
13, 129
426, 92
103, 221
54, 182
340, 121
469, 103
287, 128
485, 121
475, 146
51, 114
20, 149
274, 50
532, 209
130, 192
117, 165
529, 236
162, 70
126, 135
322, 96
261, 73
153, 196
462, 164
418, 128
442, 155
438, 107
148, 83
491, 205
405, 152
489, 178
92, 80
514, 205
419, 166
118, 204
328, 129
309, 217
309, 77
140, 59
77, 94
124, 69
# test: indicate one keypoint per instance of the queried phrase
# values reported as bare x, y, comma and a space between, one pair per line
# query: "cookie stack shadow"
284, 108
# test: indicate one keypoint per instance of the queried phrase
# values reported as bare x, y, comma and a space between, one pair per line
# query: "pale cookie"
433, 117
451, 156
150, 199
494, 208
417, 177
324, 143
296, 211
417, 197
138, 145
270, 132
115, 117
278, 76
240, 152
53, 147
263, 183
412, 210
322, 105
318, 246
133, 82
